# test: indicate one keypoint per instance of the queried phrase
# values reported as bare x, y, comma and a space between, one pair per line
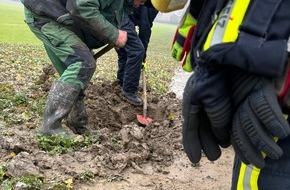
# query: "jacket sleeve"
87, 14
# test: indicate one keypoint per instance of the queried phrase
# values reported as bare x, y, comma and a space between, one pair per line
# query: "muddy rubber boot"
60, 101
77, 119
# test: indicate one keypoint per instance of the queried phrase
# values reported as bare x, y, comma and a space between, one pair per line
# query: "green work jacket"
100, 18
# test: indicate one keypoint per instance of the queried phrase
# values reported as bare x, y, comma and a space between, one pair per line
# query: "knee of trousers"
87, 71
80, 72
136, 54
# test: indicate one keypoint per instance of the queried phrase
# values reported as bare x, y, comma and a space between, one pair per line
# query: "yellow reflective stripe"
208, 39
221, 24
237, 15
217, 32
254, 178
240, 185
187, 65
226, 27
248, 177
186, 26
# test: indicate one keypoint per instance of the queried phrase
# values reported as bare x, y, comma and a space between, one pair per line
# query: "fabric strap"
259, 17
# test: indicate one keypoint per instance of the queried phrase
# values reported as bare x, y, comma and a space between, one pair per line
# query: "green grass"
162, 35
12, 26
13, 32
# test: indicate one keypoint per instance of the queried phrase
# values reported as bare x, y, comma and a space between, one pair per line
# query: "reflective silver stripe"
221, 23
247, 178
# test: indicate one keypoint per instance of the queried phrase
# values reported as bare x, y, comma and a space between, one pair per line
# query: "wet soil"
128, 155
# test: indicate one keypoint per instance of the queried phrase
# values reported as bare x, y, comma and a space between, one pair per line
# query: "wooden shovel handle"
144, 93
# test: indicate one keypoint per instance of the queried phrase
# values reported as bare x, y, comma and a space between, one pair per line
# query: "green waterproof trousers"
67, 49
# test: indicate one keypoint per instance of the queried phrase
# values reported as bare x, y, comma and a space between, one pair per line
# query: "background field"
12, 26
14, 30
16, 36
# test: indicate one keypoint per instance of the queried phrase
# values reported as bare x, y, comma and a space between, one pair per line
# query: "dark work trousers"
143, 17
130, 58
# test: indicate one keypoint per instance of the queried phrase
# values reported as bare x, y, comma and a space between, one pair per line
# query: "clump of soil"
123, 142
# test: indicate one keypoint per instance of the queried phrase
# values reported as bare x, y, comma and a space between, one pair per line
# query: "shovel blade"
144, 120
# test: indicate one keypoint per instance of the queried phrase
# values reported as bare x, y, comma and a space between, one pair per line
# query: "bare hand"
122, 39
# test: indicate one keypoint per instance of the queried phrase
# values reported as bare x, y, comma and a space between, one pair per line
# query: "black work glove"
256, 122
207, 114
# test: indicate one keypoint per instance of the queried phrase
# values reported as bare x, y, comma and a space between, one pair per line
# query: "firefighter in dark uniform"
239, 92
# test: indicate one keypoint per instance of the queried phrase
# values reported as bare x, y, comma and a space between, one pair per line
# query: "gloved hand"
206, 111
181, 44
256, 122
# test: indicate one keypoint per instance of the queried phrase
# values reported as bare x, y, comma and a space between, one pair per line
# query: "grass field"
12, 26
17, 39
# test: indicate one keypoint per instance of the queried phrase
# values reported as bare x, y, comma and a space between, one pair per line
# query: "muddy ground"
124, 154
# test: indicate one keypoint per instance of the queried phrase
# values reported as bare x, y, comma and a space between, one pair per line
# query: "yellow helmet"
168, 5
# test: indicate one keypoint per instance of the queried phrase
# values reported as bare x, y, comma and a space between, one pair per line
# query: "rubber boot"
77, 119
60, 101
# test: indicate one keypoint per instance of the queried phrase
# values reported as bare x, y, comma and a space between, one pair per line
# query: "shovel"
143, 119
103, 51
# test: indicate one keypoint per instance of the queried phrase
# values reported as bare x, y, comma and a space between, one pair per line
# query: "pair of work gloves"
227, 105
224, 106
234, 97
